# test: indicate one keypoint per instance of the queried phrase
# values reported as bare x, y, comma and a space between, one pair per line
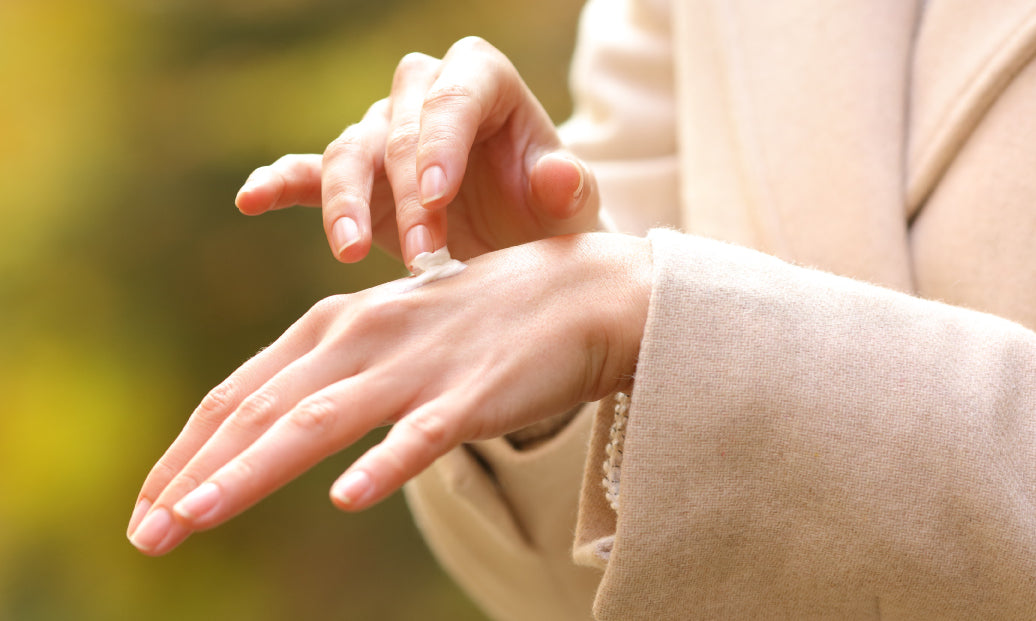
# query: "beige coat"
800, 445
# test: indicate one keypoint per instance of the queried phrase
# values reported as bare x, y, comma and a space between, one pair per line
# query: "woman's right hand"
461, 143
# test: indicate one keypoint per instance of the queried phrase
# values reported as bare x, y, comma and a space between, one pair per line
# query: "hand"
520, 335
460, 139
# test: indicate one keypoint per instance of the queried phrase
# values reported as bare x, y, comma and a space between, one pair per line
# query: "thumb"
564, 192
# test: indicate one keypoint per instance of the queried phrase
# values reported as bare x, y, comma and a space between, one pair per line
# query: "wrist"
620, 278
582, 301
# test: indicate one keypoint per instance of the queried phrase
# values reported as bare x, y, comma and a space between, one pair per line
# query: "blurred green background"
129, 285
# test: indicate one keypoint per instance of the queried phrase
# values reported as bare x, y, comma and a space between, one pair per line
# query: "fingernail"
152, 530
433, 184
139, 512
344, 233
199, 502
418, 240
582, 181
351, 488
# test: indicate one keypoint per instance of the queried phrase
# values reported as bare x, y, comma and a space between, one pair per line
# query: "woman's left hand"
520, 335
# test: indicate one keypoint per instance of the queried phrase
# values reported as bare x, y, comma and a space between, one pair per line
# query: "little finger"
413, 443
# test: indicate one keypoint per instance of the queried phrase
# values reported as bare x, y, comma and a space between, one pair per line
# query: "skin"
538, 323
506, 179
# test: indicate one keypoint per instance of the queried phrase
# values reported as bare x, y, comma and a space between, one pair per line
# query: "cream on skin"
431, 266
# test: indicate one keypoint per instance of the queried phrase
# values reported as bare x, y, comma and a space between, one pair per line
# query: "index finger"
351, 165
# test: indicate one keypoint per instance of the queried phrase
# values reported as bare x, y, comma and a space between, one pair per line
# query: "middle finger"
423, 231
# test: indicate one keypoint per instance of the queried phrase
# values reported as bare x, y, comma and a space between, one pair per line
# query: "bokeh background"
129, 285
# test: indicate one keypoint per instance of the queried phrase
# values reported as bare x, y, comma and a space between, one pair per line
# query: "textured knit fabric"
831, 448
834, 409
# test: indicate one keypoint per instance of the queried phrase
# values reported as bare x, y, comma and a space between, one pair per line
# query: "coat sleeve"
802, 444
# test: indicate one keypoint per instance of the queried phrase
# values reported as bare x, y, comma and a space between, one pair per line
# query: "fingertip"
177, 536
418, 240
153, 531
354, 253
257, 194
247, 203
139, 511
352, 490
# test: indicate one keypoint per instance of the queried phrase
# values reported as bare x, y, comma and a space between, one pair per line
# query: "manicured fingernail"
351, 488
139, 512
344, 233
199, 502
152, 530
433, 184
418, 240
582, 181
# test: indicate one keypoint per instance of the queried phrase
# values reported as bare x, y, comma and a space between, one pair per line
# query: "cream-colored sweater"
799, 444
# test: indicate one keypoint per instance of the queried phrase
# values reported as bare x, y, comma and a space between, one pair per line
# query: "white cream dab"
431, 266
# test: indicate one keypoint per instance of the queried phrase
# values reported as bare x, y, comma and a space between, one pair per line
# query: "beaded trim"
616, 440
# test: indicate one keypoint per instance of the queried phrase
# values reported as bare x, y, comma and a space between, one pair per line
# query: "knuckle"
411, 64
327, 309
436, 141
218, 400
448, 95
319, 321
184, 483
379, 108
315, 414
402, 141
390, 458
240, 468
429, 430
341, 198
377, 313
349, 144
293, 166
162, 473
449, 98
472, 45
346, 319
258, 410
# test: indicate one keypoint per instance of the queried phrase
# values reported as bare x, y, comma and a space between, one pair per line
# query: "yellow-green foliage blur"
129, 285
